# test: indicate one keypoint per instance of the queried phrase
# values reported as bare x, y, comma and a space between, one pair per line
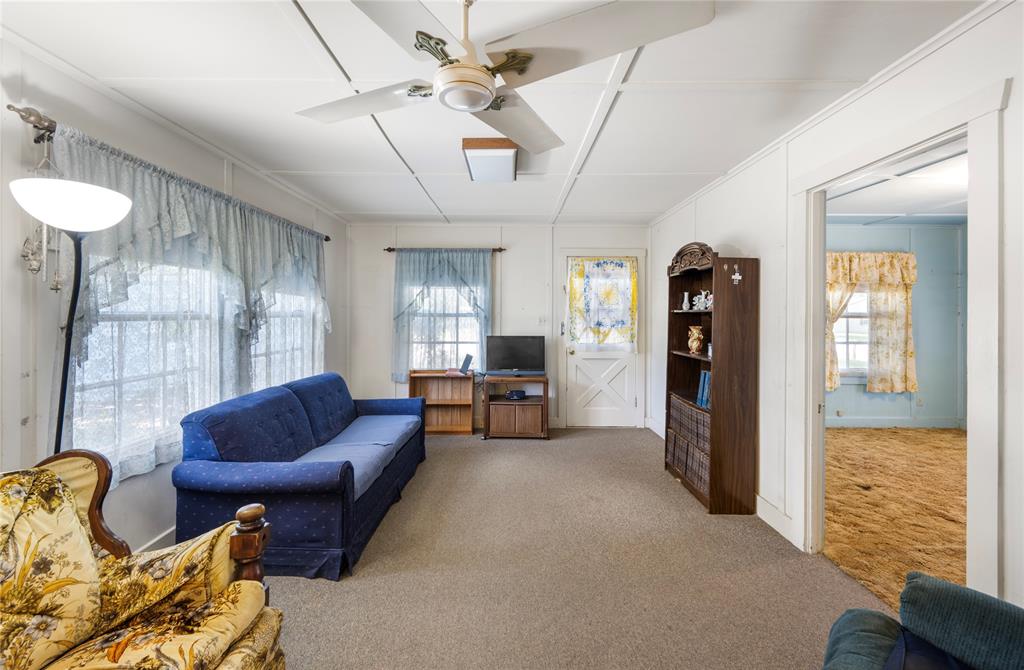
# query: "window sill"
853, 379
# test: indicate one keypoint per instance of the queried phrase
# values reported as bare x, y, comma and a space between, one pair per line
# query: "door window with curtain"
442, 306
602, 302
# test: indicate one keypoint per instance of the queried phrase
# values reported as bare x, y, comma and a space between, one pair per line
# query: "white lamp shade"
70, 205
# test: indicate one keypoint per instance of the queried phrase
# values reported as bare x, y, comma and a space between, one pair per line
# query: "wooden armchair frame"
247, 542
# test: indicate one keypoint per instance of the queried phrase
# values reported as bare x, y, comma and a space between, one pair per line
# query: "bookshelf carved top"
693, 256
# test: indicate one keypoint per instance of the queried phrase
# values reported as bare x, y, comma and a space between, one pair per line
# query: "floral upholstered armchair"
72, 595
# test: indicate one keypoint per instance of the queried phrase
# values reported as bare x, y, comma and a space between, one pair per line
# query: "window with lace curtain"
194, 298
290, 345
444, 330
152, 358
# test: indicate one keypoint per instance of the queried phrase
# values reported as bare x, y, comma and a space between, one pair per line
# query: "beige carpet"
576, 552
896, 501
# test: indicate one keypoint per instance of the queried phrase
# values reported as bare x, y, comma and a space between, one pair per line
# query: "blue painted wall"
939, 330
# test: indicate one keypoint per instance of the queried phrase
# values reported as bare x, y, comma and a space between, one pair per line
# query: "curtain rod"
47, 127
496, 250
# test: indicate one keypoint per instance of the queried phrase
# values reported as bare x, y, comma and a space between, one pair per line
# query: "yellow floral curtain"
602, 302
889, 278
838, 297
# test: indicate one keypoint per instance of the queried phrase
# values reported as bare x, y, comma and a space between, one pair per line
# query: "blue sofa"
943, 627
326, 467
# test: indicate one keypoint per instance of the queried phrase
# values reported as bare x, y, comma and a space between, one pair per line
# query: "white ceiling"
927, 188
688, 108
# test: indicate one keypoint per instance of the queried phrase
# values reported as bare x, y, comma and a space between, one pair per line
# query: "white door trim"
561, 269
981, 116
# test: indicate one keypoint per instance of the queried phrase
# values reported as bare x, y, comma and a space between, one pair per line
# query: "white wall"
527, 298
141, 509
751, 212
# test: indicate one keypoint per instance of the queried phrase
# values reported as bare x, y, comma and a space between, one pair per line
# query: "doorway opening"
600, 337
895, 407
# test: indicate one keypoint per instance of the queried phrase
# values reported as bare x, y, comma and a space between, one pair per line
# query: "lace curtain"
889, 278
442, 309
195, 297
602, 302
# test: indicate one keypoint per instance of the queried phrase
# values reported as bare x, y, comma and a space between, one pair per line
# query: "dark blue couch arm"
411, 406
229, 477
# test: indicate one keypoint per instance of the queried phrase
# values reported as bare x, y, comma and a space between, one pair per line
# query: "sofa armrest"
976, 628
411, 406
262, 478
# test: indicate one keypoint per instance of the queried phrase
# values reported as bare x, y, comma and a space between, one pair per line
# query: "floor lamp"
77, 209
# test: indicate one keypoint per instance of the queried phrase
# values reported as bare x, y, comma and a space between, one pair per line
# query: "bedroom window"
851, 334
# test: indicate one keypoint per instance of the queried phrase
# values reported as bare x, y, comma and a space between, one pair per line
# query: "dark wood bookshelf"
687, 354
713, 450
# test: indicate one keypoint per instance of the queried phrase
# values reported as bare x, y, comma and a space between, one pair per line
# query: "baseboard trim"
164, 539
894, 422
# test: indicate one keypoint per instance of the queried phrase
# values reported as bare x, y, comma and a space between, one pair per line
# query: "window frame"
457, 344
849, 375
263, 351
121, 377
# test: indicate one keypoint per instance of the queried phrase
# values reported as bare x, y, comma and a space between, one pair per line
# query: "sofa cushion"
269, 425
327, 402
860, 639
368, 460
383, 429
981, 631
914, 653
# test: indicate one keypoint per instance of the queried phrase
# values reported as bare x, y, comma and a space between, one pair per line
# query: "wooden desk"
515, 418
449, 400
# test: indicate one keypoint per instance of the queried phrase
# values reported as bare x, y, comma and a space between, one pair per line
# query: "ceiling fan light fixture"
464, 87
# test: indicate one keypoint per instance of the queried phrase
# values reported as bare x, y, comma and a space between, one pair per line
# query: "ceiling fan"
468, 83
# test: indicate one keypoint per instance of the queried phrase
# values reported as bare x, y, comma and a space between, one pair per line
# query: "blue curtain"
442, 308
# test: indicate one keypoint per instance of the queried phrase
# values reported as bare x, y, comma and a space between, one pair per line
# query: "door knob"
572, 352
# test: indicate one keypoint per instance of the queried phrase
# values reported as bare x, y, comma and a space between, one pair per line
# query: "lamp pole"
69, 330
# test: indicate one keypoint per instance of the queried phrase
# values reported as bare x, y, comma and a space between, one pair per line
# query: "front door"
600, 340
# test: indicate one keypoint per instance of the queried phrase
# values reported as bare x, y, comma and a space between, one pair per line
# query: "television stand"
515, 418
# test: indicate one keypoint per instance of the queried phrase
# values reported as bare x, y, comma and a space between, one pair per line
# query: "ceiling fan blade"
517, 121
597, 33
371, 102
400, 19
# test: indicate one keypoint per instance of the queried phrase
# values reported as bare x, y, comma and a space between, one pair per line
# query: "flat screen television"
515, 352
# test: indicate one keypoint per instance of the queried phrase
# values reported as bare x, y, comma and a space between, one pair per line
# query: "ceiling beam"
323, 43
623, 63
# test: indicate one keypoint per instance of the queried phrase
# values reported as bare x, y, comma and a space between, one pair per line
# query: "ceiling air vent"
490, 159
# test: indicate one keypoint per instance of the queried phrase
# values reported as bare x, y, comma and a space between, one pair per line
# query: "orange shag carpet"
896, 501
